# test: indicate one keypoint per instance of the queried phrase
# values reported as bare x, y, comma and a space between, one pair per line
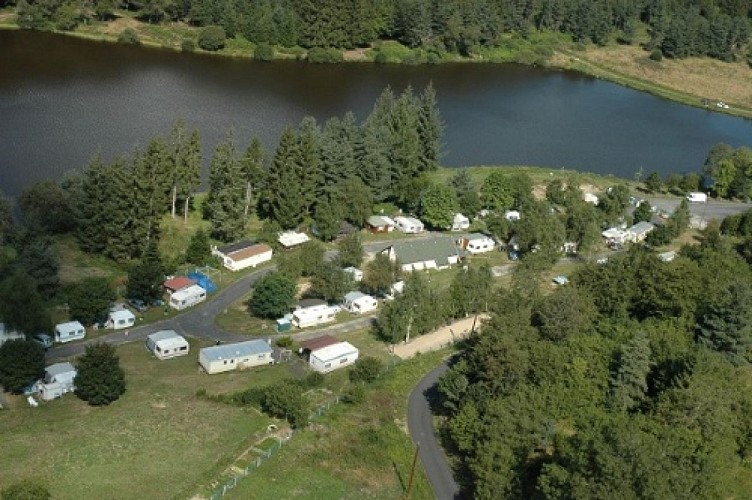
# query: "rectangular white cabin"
118, 319
332, 357
315, 315
289, 239
244, 254
359, 303
477, 243
409, 225
224, 358
187, 297
166, 344
70, 331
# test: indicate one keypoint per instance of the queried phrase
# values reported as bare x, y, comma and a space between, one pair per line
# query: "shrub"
656, 55
129, 36
212, 38
366, 369
380, 58
264, 52
284, 342
25, 490
188, 45
314, 379
320, 55
354, 394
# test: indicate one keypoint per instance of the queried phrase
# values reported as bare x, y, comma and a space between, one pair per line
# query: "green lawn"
157, 441
351, 452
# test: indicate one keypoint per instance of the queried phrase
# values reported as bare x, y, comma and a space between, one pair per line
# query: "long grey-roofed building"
223, 358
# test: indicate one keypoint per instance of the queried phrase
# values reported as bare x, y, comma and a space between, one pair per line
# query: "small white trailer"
187, 297
70, 331
697, 197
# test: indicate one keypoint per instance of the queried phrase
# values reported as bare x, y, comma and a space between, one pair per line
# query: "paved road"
420, 425
712, 210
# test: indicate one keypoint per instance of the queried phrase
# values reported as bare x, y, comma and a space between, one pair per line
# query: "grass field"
157, 441
351, 452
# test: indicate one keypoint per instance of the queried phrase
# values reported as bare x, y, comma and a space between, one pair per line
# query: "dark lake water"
63, 99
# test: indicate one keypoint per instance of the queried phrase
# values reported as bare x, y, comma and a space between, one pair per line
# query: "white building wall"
235, 363
328, 365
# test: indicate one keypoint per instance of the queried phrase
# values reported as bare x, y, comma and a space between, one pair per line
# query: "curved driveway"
420, 425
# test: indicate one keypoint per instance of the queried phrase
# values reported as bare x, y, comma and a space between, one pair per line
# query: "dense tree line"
717, 28
629, 383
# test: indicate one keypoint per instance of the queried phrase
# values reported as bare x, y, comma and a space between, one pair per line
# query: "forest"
714, 28
631, 382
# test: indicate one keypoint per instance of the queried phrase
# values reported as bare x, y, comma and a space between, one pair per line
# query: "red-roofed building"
172, 285
318, 343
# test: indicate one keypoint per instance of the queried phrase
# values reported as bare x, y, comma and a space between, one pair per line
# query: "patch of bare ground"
702, 77
118, 25
355, 55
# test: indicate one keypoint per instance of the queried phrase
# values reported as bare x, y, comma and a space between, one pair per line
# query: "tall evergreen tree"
430, 130
224, 206
145, 278
307, 163
629, 383
725, 324
252, 166
283, 200
6, 220
92, 206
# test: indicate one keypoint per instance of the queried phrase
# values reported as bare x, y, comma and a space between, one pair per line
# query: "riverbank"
698, 82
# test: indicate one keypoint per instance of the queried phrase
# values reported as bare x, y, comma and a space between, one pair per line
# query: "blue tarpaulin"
203, 281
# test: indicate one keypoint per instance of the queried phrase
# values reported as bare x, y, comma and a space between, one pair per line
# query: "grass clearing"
157, 441
353, 451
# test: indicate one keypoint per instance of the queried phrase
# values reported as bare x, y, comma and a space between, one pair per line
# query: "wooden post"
412, 472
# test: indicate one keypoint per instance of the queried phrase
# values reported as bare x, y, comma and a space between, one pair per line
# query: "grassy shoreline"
552, 51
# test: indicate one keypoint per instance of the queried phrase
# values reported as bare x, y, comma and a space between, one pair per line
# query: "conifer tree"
282, 196
307, 163
430, 130
92, 206
6, 220
629, 384
224, 205
372, 159
99, 379
199, 249
252, 166
145, 278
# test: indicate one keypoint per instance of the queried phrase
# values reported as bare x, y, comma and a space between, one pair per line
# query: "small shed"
512, 215
120, 318
224, 358
359, 303
380, 224
58, 380
70, 331
177, 283
283, 325
460, 222
332, 357
187, 297
166, 344
355, 273
590, 198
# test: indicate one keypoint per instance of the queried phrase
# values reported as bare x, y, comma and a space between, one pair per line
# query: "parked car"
138, 304
561, 280
43, 339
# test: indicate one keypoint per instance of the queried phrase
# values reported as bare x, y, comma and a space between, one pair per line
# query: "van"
43, 339
697, 197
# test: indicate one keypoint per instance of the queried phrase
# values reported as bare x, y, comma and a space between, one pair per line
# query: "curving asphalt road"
420, 425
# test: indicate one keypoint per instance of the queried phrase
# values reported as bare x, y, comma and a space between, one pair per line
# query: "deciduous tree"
21, 363
99, 379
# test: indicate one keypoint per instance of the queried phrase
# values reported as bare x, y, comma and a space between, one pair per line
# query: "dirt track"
438, 339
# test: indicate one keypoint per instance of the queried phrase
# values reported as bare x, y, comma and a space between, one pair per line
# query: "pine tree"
145, 278
99, 379
252, 166
467, 193
92, 206
327, 219
406, 147
430, 130
725, 325
372, 159
629, 384
39, 260
307, 163
183, 169
198, 251
224, 205
6, 220
283, 201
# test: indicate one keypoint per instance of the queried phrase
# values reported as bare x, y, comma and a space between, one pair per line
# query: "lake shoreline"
563, 59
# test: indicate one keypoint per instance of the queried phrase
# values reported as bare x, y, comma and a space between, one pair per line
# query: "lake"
64, 99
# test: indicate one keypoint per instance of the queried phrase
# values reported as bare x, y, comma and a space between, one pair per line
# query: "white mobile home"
359, 303
118, 319
58, 380
291, 239
477, 243
314, 315
224, 358
639, 231
166, 344
380, 224
243, 254
512, 215
697, 197
187, 297
333, 356
68, 332
460, 223
409, 225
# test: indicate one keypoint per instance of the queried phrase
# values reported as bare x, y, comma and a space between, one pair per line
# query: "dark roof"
234, 247
310, 303
438, 249
318, 342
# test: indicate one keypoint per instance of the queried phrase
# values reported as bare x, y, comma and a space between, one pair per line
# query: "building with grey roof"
227, 357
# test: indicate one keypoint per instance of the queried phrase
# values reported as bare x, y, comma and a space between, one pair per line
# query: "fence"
265, 455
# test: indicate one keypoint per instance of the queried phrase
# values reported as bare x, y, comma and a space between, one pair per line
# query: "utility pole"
412, 472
